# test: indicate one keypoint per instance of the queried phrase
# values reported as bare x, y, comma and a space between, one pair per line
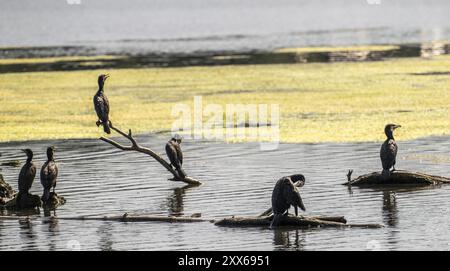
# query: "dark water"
187, 26
97, 179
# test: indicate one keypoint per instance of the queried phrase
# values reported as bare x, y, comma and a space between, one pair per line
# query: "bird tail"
386, 174
276, 220
181, 173
46, 194
106, 128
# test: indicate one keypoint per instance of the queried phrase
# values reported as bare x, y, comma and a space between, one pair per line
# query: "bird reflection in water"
390, 211
175, 200
288, 239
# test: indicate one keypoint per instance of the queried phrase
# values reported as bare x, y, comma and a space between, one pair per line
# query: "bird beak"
24, 150
397, 126
106, 76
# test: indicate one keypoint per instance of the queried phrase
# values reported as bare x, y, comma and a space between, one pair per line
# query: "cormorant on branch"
173, 151
101, 105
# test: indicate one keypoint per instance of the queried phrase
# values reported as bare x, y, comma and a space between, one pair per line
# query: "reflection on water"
285, 239
390, 212
238, 180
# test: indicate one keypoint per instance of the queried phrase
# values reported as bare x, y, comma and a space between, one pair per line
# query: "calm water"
186, 26
97, 179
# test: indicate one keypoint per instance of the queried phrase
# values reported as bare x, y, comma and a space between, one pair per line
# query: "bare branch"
136, 147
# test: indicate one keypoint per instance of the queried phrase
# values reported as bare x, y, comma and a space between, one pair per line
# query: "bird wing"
26, 176
279, 202
172, 154
101, 105
179, 153
49, 173
388, 153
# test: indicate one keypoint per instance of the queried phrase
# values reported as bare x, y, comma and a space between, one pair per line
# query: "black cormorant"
49, 173
388, 151
285, 194
101, 105
26, 175
173, 151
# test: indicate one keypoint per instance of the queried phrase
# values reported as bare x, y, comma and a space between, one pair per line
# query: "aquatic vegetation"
372, 48
323, 102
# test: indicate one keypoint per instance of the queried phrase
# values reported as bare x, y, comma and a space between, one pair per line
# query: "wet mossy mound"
54, 201
398, 178
6, 191
30, 201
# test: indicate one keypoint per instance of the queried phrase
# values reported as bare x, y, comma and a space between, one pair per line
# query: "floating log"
292, 221
136, 218
136, 147
13, 163
398, 178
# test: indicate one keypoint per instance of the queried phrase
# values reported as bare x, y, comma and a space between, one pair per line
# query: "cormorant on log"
285, 194
388, 151
173, 151
101, 104
49, 173
26, 175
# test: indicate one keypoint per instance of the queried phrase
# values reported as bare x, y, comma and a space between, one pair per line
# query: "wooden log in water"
398, 177
292, 221
136, 218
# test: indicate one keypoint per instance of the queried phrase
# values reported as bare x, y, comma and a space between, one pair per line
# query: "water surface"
97, 179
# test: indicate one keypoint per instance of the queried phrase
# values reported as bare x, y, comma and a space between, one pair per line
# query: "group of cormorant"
48, 176
285, 193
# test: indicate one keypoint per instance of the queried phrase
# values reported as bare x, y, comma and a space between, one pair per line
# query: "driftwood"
136, 218
398, 178
292, 221
136, 147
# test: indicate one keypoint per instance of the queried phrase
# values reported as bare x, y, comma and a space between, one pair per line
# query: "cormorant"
285, 194
173, 151
101, 105
26, 175
388, 151
49, 173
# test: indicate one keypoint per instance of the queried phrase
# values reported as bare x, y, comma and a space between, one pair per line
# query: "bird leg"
98, 123
296, 210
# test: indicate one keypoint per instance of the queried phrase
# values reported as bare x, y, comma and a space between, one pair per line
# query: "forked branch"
136, 147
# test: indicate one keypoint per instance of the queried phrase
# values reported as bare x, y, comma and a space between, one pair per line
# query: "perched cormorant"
388, 151
101, 105
26, 175
285, 194
49, 173
173, 151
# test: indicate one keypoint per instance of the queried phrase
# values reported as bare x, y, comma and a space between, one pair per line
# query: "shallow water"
97, 179
187, 26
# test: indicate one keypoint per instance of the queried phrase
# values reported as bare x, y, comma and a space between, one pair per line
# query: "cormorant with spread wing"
285, 194
388, 151
173, 151
101, 105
